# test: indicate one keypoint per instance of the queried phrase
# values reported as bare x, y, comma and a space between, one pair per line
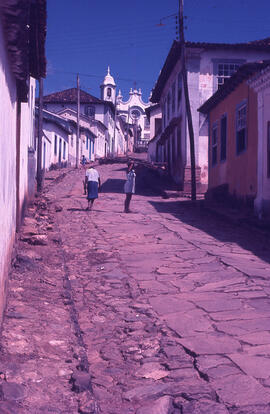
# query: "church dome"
109, 80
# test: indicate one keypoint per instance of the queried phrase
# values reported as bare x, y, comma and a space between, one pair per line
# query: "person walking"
129, 187
83, 161
92, 182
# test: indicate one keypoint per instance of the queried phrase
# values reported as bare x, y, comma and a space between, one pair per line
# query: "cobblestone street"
162, 311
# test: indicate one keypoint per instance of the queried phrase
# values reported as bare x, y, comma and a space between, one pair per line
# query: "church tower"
108, 88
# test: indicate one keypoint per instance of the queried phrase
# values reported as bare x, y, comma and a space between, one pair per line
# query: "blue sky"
85, 36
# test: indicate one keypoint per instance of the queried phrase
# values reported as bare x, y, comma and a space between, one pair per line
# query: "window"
179, 92
55, 144
44, 155
157, 126
109, 92
174, 146
168, 106
268, 149
90, 111
214, 143
225, 71
223, 138
241, 128
173, 98
178, 142
164, 108
146, 123
64, 151
135, 114
87, 143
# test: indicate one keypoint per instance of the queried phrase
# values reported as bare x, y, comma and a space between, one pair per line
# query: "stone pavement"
162, 311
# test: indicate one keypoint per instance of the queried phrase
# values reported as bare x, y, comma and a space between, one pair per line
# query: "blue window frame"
55, 144
179, 91
268, 149
214, 143
241, 128
223, 138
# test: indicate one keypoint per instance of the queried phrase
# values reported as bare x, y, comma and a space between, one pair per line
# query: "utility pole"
78, 122
114, 124
188, 109
127, 131
40, 134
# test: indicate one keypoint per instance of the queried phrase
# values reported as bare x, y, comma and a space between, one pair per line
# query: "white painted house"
55, 141
154, 115
20, 63
261, 84
87, 139
92, 109
208, 66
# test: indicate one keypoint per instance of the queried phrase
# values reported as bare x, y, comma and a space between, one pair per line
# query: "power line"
104, 41
101, 76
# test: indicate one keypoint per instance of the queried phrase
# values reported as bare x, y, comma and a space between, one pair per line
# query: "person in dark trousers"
83, 161
92, 181
129, 187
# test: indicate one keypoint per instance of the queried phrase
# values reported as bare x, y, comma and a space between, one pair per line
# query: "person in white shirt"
129, 187
92, 182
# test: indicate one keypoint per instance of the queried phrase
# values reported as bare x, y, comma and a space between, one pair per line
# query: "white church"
131, 111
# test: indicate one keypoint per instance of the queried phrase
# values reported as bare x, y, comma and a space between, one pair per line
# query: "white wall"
7, 167
27, 183
51, 130
262, 201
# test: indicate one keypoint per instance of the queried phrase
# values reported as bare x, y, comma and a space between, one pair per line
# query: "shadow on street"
116, 185
195, 215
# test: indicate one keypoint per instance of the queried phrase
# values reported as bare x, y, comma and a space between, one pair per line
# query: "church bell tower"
108, 88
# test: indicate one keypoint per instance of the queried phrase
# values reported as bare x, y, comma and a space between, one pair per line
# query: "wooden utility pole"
78, 123
188, 109
40, 134
114, 125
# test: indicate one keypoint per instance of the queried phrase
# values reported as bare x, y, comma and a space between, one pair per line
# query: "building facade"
87, 138
20, 64
132, 112
96, 116
209, 66
55, 141
260, 83
154, 116
233, 139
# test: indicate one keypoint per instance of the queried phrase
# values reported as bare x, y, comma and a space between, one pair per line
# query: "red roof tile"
175, 53
70, 96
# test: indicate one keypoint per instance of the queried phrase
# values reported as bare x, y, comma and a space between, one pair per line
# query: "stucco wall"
51, 130
7, 167
238, 171
262, 86
26, 182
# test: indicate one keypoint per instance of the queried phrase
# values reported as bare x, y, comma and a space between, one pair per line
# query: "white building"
131, 111
154, 116
55, 141
208, 66
20, 64
261, 84
87, 139
96, 121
